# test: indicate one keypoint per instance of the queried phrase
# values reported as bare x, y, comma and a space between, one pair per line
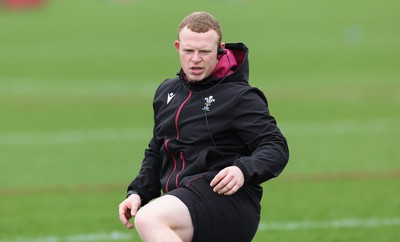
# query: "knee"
144, 221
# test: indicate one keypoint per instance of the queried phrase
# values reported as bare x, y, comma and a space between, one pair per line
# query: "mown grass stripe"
344, 223
73, 136
294, 178
138, 133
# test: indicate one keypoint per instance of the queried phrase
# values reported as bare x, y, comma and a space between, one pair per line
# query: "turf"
77, 80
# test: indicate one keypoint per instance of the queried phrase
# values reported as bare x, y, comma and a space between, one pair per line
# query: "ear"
176, 44
221, 50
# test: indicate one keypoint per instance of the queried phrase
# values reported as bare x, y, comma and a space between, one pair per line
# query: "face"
197, 53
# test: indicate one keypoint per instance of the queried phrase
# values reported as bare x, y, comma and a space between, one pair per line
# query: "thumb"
134, 204
134, 211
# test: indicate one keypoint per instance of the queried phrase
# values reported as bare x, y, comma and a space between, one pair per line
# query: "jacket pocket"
208, 176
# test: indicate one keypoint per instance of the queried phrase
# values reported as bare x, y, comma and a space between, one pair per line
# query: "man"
214, 142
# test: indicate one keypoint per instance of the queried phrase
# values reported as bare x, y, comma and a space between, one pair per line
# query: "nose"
196, 57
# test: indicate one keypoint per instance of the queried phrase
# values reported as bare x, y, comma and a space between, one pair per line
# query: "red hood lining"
228, 62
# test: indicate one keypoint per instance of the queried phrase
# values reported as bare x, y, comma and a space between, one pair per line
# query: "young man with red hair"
214, 143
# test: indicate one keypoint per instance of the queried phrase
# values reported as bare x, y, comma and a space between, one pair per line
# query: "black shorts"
221, 218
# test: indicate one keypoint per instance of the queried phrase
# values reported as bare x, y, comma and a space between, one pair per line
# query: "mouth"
196, 69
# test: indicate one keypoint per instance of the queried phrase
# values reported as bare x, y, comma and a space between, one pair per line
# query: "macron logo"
169, 97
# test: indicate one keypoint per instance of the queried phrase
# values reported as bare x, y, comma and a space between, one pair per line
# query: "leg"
165, 219
216, 217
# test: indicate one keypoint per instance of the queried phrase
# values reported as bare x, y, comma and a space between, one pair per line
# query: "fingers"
228, 181
125, 215
128, 209
226, 186
228, 189
218, 177
222, 182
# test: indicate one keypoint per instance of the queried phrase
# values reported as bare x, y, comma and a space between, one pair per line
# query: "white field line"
273, 226
333, 224
113, 236
140, 133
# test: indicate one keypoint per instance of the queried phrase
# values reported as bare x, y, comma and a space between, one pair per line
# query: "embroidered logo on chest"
207, 103
170, 96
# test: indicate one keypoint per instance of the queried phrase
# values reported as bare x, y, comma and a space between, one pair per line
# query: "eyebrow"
199, 49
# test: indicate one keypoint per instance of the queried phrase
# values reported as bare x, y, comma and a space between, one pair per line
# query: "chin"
195, 79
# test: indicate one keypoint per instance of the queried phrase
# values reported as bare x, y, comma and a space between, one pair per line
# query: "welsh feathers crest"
207, 103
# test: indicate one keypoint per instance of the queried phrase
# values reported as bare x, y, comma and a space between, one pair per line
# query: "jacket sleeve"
147, 182
268, 148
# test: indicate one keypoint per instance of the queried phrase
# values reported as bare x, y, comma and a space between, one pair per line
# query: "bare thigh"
170, 211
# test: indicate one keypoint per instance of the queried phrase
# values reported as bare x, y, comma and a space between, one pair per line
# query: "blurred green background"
76, 85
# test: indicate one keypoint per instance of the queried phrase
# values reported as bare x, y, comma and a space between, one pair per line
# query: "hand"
228, 181
128, 209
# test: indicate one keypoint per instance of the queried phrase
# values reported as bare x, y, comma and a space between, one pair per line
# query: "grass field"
76, 86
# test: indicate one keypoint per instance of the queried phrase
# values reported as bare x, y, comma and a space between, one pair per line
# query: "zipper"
178, 113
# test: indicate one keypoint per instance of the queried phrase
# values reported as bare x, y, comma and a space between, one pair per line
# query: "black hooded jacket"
201, 128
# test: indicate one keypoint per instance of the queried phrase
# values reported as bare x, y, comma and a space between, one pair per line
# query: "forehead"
188, 38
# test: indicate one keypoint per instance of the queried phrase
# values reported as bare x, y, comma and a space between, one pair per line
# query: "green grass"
76, 85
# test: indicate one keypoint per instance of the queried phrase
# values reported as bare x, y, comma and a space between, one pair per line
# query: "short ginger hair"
201, 22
